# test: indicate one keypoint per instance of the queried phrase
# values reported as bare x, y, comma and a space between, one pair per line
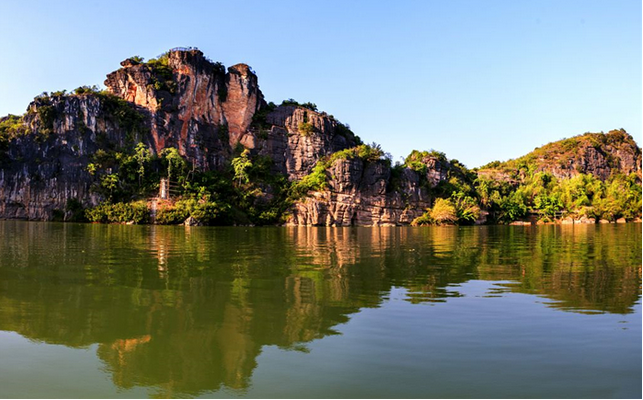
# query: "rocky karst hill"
597, 154
233, 158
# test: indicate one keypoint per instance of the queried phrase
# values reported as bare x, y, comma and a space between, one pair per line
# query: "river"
91, 310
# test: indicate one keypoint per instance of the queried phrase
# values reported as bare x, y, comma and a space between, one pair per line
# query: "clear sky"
479, 80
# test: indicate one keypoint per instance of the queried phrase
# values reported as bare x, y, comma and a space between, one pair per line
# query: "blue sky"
479, 80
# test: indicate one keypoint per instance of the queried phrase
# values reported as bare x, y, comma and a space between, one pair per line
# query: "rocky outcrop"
295, 151
181, 100
369, 193
46, 169
242, 100
183, 94
209, 114
617, 152
597, 154
363, 193
205, 113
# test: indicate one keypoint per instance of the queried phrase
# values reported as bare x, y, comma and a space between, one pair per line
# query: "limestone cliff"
597, 154
360, 192
181, 100
44, 169
212, 116
295, 152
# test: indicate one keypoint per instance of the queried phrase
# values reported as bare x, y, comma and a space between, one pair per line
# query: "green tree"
174, 161
110, 183
444, 212
466, 208
142, 156
241, 166
512, 207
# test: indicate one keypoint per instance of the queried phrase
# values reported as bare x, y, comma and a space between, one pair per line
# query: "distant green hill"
598, 154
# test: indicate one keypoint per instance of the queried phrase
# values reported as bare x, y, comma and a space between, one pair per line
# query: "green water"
150, 311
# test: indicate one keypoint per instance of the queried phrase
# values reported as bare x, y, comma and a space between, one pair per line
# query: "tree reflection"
184, 311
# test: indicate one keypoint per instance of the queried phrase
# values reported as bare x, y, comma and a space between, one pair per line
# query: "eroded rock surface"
364, 193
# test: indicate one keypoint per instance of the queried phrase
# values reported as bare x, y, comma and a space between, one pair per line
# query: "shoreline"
621, 221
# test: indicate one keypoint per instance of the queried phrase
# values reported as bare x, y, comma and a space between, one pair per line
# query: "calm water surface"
151, 311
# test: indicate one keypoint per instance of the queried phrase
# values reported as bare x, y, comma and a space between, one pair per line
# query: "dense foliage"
248, 191
245, 192
136, 212
559, 153
11, 126
317, 179
540, 195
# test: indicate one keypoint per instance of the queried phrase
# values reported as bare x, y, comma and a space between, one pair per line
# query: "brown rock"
295, 153
519, 223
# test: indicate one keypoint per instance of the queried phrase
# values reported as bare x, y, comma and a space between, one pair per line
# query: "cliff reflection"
184, 311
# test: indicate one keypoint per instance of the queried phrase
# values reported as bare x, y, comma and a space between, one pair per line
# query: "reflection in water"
188, 310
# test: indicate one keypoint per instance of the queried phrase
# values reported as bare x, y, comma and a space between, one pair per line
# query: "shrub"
86, 90
512, 207
122, 113
548, 205
241, 166
10, 127
204, 211
162, 74
306, 128
316, 180
136, 59
136, 212
345, 131
76, 210
259, 119
467, 210
424, 219
219, 68
46, 117
444, 212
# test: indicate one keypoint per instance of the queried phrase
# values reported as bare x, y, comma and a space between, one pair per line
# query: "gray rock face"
202, 104
358, 194
294, 152
189, 103
43, 170
597, 154
185, 100
622, 156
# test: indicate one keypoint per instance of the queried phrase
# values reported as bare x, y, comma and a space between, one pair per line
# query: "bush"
46, 117
512, 207
467, 210
306, 128
162, 74
259, 119
136, 212
548, 206
444, 212
345, 131
292, 102
86, 90
76, 210
204, 211
316, 180
11, 126
122, 113
424, 219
